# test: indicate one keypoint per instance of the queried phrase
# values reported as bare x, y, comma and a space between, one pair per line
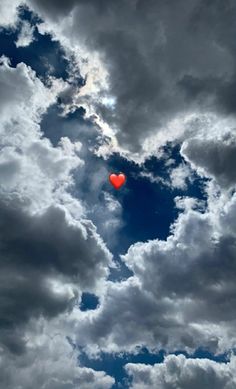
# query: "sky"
131, 288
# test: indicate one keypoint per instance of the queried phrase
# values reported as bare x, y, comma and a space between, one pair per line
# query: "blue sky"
114, 365
41, 53
136, 280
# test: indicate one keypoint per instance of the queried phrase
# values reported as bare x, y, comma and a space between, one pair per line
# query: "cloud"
45, 262
155, 72
179, 176
49, 362
25, 37
49, 251
8, 15
182, 294
30, 167
55, 8
180, 372
213, 158
161, 62
20, 85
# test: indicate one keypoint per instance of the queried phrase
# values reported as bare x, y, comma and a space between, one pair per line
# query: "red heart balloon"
117, 180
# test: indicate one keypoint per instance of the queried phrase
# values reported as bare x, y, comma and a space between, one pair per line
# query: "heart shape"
117, 180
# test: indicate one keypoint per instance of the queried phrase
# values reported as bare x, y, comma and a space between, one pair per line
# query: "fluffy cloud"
44, 259
49, 362
21, 86
213, 158
25, 36
179, 372
8, 15
31, 169
49, 251
139, 88
182, 294
155, 72
179, 176
161, 62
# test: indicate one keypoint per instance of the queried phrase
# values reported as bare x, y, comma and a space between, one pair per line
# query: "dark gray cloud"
164, 59
216, 158
55, 8
49, 252
182, 295
44, 263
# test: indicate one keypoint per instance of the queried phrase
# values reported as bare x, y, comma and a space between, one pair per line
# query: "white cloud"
25, 36
49, 362
36, 171
182, 373
8, 14
182, 294
49, 252
179, 176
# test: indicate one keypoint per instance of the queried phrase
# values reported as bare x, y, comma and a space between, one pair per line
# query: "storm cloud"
164, 60
155, 73
49, 251
215, 158
182, 294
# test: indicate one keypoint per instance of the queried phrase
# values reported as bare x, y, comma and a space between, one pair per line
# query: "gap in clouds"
114, 364
144, 203
88, 302
44, 55
145, 209
149, 207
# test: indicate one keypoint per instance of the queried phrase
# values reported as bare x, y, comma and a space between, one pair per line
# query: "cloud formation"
49, 251
213, 158
163, 61
49, 362
8, 15
156, 71
179, 372
182, 294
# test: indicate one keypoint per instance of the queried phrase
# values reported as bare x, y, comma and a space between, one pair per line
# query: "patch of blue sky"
44, 55
113, 364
